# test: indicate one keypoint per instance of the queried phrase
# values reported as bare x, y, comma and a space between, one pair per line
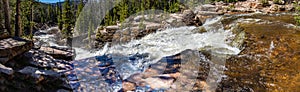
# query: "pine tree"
67, 26
31, 17
7, 16
66, 18
59, 18
49, 13
80, 7
18, 20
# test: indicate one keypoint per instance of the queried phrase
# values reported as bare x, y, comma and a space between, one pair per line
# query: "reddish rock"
128, 86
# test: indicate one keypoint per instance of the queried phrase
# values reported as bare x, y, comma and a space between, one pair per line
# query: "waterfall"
155, 46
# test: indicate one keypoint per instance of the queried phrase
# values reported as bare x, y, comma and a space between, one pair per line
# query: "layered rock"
63, 53
12, 47
37, 72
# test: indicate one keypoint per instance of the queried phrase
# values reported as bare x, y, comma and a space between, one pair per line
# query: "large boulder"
37, 72
12, 47
189, 18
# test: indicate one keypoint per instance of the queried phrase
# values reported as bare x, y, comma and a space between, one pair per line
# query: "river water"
172, 41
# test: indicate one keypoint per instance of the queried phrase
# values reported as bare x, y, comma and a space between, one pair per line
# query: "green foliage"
297, 17
227, 1
264, 2
80, 7
125, 8
66, 19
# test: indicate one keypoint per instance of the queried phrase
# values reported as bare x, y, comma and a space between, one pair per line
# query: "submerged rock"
240, 36
159, 76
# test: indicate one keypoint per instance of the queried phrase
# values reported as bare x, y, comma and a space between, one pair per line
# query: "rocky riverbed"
214, 47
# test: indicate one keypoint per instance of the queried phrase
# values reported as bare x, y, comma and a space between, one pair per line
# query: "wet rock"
53, 30
6, 70
128, 86
159, 83
173, 71
12, 47
240, 36
63, 53
209, 13
112, 27
188, 17
200, 29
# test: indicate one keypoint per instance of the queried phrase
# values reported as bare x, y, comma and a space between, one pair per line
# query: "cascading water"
135, 56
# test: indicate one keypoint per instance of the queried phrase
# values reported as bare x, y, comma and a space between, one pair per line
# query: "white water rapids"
173, 41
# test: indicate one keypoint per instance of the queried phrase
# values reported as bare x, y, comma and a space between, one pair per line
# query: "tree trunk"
18, 20
31, 17
7, 16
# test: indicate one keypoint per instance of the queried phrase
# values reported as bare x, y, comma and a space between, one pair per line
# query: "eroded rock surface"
35, 71
63, 53
12, 47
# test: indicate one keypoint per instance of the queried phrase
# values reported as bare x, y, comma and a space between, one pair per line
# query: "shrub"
264, 2
278, 2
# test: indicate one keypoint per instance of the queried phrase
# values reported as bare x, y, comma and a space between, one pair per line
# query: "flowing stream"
156, 46
168, 42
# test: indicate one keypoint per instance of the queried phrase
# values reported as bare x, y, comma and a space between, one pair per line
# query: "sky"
50, 1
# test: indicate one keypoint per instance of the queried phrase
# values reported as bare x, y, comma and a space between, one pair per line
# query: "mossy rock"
240, 36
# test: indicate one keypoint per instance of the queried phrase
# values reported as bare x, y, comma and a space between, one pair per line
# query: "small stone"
128, 86
158, 83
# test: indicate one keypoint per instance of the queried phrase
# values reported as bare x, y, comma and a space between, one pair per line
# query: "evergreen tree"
7, 16
66, 17
18, 20
80, 7
67, 26
59, 18
31, 17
